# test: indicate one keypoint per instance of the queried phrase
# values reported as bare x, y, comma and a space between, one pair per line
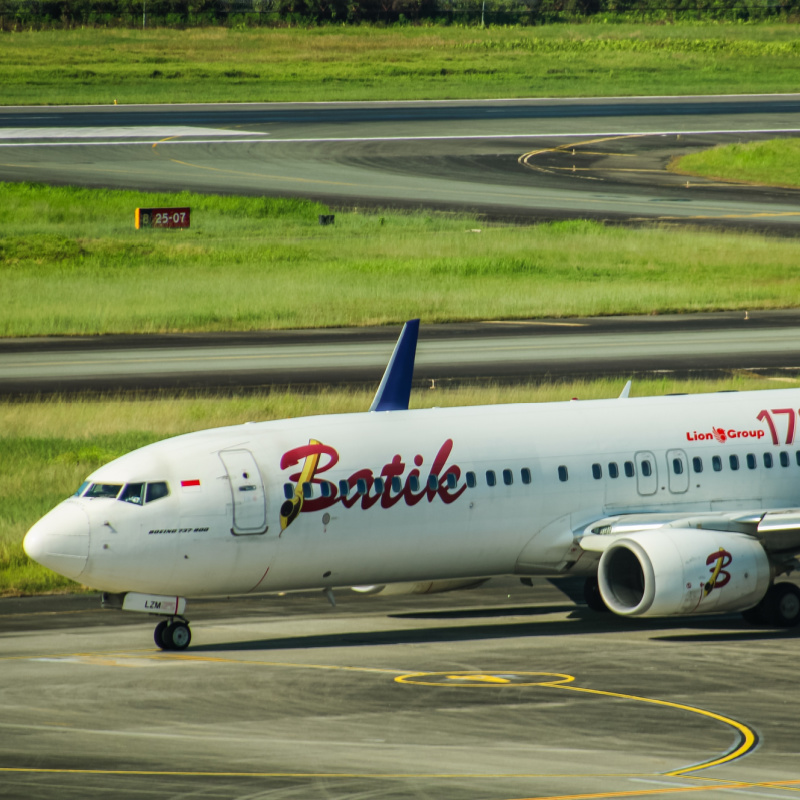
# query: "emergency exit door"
646, 472
247, 490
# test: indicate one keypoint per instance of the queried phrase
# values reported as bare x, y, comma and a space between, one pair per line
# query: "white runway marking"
144, 131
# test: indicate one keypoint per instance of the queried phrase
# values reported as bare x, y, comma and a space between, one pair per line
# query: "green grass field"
365, 63
71, 263
48, 447
772, 163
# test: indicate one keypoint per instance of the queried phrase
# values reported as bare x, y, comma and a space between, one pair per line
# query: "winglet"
626, 391
395, 389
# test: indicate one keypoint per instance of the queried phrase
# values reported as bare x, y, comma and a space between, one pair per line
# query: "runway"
500, 692
527, 350
527, 160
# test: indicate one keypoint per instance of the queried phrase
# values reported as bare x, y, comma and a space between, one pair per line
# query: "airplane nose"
60, 540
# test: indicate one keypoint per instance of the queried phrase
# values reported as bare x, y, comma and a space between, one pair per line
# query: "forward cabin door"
247, 490
678, 471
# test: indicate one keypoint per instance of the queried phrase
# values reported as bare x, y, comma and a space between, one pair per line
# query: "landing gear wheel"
780, 607
785, 604
592, 596
158, 634
177, 636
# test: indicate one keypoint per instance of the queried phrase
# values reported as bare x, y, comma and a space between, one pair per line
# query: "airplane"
667, 506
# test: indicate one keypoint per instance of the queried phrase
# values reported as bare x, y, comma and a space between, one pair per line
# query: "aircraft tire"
592, 596
785, 604
158, 634
780, 607
177, 636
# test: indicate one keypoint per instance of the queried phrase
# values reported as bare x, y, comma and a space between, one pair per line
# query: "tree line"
40, 14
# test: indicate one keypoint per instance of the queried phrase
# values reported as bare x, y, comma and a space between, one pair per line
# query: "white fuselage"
219, 530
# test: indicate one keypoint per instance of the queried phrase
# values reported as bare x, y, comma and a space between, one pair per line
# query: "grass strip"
48, 447
400, 63
71, 263
772, 163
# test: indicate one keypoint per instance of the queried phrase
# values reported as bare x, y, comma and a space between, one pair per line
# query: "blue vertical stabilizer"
395, 389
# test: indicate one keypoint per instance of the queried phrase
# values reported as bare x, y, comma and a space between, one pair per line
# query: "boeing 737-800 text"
672, 505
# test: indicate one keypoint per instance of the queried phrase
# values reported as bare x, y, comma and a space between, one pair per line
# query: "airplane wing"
778, 530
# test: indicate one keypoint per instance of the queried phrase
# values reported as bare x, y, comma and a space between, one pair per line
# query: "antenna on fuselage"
395, 390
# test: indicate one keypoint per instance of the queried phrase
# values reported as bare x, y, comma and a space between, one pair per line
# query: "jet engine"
670, 571
424, 587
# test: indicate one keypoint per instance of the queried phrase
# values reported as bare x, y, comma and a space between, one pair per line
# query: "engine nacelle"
679, 571
425, 587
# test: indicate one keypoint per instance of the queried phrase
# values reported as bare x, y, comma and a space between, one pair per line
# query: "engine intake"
671, 571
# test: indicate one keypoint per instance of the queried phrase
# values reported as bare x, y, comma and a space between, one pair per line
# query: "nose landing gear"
172, 634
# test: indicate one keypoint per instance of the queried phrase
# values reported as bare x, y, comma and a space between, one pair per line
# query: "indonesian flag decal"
193, 483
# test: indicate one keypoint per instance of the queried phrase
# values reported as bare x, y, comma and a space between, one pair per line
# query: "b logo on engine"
719, 577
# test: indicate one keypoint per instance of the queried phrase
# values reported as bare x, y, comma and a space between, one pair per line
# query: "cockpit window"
82, 488
133, 493
156, 491
103, 490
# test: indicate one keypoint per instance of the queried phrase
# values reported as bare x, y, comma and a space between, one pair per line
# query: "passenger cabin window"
677, 466
734, 462
797, 456
491, 478
508, 477
768, 460
597, 471
647, 468
629, 469
361, 485
784, 458
413, 483
326, 488
104, 490
563, 475
613, 470
344, 488
451, 479
472, 480
379, 485
526, 475
751, 461
308, 490
697, 464
433, 482
133, 493
716, 463
397, 484
288, 491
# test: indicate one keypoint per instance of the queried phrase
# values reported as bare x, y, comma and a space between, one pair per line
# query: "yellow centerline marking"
165, 139
457, 680
447, 680
749, 739
561, 681
648, 792
563, 148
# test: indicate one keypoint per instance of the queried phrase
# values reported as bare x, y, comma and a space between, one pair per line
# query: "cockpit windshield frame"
136, 493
